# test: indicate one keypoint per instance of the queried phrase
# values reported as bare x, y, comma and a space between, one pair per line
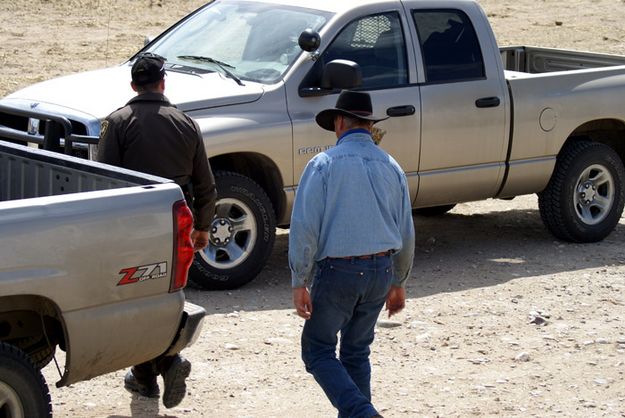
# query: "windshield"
255, 41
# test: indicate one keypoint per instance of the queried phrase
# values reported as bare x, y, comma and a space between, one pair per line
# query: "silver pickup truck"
470, 120
91, 258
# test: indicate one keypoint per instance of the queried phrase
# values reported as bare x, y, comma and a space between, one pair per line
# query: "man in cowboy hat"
351, 229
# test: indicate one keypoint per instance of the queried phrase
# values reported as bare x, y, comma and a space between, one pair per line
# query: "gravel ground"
501, 318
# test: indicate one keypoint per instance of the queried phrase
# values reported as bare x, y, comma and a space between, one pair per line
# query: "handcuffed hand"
199, 240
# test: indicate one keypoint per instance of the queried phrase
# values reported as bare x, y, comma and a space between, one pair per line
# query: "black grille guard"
57, 127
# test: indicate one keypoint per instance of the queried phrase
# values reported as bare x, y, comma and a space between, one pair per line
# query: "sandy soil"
464, 346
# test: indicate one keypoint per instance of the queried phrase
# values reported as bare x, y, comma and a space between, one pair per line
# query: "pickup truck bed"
90, 261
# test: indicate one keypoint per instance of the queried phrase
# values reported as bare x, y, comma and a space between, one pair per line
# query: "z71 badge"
142, 273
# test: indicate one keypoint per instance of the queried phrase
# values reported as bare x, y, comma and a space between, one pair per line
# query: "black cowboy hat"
355, 104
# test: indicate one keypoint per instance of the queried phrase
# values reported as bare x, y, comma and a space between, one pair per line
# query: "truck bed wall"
28, 172
535, 60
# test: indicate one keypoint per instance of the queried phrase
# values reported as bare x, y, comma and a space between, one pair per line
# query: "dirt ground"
464, 345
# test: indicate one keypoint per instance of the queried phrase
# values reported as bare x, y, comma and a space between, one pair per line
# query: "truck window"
449, 45
377, 44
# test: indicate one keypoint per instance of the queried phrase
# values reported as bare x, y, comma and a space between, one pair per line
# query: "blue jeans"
347, 296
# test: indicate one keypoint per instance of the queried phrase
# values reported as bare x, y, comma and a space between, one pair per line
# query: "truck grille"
45, 131
19, 123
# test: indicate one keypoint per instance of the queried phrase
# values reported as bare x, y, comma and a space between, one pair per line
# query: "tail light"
183, 247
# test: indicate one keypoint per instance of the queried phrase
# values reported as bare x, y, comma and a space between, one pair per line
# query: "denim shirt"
351, 200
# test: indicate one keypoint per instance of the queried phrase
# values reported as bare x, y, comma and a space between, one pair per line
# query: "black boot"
147, 387
174, 375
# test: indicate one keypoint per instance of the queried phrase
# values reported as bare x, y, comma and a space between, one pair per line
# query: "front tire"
241, 236
584, 199
23, 390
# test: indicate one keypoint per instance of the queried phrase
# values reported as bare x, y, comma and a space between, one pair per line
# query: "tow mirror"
309, 40
337, 75
341, 74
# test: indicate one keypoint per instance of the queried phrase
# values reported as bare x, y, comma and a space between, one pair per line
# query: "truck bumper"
189, 329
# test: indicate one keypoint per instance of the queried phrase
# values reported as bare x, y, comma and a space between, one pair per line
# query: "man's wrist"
298, 280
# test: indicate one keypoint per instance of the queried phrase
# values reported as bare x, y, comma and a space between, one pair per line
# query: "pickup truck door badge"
142, 273
376, 133
315, 149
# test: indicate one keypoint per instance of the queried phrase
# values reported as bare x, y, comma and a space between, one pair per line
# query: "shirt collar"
356, 131
149, 97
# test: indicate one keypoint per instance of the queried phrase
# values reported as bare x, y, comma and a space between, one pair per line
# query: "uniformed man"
151, 135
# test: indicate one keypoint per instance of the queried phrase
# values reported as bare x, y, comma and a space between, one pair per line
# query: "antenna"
108, 35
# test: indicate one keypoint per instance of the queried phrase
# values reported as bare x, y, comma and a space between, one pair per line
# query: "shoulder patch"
103, 128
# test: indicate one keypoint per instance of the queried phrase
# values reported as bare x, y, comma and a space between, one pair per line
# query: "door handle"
487, 102
400, 110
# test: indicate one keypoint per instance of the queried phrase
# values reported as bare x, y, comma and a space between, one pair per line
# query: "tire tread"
21, 359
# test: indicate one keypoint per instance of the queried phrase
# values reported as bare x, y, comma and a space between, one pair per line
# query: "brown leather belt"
366, 257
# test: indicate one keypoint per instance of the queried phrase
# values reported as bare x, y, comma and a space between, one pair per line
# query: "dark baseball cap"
147, 69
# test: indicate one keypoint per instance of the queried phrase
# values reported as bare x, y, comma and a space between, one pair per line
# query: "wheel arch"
610, 132
259, 168
25, 316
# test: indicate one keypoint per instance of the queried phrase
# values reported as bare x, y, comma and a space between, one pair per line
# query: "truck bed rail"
26, 173
536, 60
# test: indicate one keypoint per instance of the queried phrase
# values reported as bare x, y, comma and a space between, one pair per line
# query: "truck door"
463, 105
377, 42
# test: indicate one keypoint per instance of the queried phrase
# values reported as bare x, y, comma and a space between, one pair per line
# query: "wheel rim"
10, 404
232, 234
594, 194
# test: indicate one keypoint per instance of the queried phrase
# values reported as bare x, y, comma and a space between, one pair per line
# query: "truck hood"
100, 92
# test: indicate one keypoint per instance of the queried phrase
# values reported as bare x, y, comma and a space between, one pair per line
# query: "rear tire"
241, 236
584, 199
23, 389
37, 349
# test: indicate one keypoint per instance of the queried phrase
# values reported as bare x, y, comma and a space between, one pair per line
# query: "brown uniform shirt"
151, 135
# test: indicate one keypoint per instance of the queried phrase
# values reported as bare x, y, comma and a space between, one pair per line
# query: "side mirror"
147, 40
309, 40
341, 74
337, 75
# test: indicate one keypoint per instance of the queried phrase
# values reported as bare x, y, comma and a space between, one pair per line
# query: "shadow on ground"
454, 252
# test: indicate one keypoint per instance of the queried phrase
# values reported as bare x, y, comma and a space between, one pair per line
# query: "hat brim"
325, 118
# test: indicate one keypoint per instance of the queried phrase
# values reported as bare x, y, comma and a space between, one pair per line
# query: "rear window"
449, 45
